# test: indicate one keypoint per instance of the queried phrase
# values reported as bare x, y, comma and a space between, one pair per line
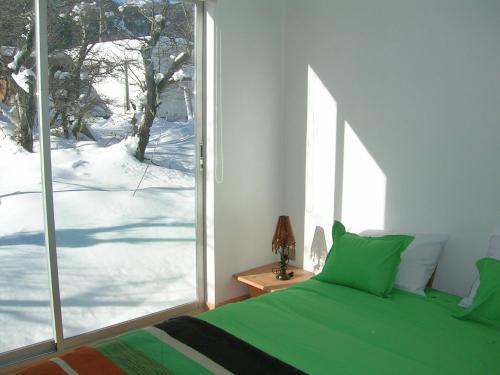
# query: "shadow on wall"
319, 249
343, 180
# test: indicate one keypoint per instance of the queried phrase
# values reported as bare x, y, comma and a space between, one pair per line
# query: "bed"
313, 327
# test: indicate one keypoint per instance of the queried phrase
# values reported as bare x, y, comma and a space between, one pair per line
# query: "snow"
138, 3
178, 75
125, 230
7, 132
65, 75
159, 18
141, 98
130, 144
14, 65
120, 255
62, 75
62, 93
8, 51
23, 78
179, 56
82, 7
159, 77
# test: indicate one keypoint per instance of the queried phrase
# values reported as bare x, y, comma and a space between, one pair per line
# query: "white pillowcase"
493, 252
418, 261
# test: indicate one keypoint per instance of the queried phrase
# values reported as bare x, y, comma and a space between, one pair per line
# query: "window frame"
15, 359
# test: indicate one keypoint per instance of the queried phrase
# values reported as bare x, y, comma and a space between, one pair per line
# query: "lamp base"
284, 276
281, 273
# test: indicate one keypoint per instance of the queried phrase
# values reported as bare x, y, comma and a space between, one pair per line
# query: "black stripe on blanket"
227, 350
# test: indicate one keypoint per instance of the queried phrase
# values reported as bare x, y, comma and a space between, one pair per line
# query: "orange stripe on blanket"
86, 361
44, 368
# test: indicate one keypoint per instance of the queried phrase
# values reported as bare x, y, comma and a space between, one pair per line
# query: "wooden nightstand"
262, 280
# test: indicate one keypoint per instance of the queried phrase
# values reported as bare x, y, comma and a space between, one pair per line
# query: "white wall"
417, 90
242, 209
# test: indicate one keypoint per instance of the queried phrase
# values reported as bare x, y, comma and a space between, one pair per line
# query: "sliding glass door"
25, 315
123, 112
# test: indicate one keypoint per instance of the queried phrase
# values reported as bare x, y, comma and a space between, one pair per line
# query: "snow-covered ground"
121, 255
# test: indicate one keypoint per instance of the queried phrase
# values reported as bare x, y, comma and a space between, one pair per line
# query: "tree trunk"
154, 87
26, 108
25, 101
81, 127
102, 20
150, 107
64, 122
53, 120
127, 91
189, 106
73, 90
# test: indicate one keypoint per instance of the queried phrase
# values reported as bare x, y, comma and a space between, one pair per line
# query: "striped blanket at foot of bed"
182, 345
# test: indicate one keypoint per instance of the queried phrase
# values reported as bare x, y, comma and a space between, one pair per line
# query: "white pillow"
418, 262
493, 252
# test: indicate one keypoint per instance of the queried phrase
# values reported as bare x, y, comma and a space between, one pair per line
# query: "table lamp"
284, 243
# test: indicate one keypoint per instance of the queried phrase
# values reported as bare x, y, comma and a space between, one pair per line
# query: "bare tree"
77, 26
156, 78
24, 78
66, 66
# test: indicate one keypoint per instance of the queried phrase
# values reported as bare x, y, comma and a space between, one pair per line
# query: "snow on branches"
24, 78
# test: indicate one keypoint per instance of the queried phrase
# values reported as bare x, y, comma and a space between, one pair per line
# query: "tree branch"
176, 65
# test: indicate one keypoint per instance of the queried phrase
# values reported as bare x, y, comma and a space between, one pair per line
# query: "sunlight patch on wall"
320, 171
364, 186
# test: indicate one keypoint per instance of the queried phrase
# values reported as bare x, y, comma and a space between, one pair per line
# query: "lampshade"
283, 239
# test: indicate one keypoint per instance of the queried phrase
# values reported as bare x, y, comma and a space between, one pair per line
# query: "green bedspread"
322, 328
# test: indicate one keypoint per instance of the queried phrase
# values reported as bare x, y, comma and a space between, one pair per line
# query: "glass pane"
25, 315
121, 95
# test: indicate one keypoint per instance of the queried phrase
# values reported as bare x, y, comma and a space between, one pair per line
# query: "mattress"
322, 328
312, 327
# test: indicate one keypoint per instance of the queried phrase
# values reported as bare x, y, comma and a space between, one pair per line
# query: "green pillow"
366, 263
486, 306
